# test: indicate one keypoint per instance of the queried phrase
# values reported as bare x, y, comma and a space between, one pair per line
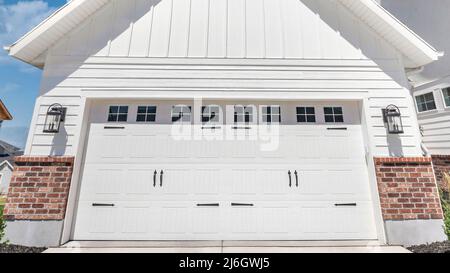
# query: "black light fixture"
393, 119
55, 115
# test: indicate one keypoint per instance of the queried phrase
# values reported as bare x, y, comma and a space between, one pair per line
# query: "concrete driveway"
226, 247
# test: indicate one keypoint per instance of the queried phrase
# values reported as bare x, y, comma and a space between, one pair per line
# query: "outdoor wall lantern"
393, 119
55, 115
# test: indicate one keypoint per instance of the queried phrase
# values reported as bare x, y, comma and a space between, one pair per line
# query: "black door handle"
102, 205
154, 178
346, 205
241, 205
209, 205
290, 179
161, 178
296, 179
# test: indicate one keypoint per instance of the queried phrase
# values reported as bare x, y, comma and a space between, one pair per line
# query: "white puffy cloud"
17, 19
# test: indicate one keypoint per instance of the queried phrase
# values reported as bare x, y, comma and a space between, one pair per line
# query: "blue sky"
19, 82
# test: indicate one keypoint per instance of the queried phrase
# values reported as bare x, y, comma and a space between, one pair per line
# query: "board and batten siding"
261, 49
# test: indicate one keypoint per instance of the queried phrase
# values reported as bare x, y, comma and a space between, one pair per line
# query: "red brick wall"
441, 165
407, 189
39, 188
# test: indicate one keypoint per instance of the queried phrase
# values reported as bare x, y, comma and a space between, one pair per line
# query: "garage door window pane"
146, 114
182, 113
243, 114
426, 102
334, 114
118, 114
306, 114
446, 92
271, 114
211, 114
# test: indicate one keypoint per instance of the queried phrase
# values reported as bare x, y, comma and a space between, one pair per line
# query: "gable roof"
32, 47
8, 148
8, 163
4, 113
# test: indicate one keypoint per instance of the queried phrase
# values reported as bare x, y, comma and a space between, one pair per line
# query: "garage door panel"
275, 182
207, 221
175, 182
275, 219
173, 218
139, 182
243, 221
207, 183
135, 219
143, 146
102, 183
243, 182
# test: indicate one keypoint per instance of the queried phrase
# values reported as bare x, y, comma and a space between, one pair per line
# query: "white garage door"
142, 183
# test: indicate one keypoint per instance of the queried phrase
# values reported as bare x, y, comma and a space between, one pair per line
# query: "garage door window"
146, 114
334, 114
243, 114
271, 114
211, 114
306, 114
426, 102
182, 113
118, 114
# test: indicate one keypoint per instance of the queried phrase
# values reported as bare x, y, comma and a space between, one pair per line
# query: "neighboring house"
4, 113
7, 154
431, 84
288, 142
6, 170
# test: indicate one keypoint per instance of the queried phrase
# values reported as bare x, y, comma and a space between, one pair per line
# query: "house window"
118, 114
211, 114
243, 114
181, 113
306, 114
146, 114
446, 93
426, 102
271, 114
334, 114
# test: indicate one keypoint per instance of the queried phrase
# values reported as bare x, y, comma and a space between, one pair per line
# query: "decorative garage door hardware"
114, 127
211, 127
338, 129
209, 205
296, 179
241, 128
242, 205
346, 205
161, 176
102, 205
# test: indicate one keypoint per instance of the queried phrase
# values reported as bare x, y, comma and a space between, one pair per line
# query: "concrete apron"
226, 247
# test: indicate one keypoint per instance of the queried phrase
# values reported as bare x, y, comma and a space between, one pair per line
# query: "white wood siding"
243, 49
310, 29
436, 123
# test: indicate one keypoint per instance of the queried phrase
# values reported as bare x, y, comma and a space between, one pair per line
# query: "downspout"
409, 73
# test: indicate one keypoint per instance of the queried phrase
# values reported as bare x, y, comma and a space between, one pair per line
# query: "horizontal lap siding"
60, 144
436, 131
101, 76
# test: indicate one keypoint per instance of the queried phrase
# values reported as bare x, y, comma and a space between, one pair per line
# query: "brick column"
408, 189
39, 188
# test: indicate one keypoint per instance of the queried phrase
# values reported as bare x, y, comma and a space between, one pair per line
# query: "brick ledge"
381, 160
46, 159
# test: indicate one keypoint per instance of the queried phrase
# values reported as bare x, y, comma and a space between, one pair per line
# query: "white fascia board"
416, 50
